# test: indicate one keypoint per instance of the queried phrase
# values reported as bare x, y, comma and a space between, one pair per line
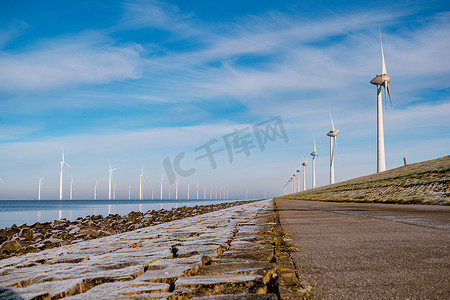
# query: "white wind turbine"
111, 170
129, 192
188, 191
198, 185
304, 164
95, 189
39, 186
298, 178
71, 187
141, 178
379, 81
314, 154
162, 179
332, 134
62, 162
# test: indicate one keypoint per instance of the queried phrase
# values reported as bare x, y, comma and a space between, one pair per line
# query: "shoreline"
17, 240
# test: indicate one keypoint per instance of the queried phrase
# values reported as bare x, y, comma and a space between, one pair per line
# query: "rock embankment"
17, 240
426, 182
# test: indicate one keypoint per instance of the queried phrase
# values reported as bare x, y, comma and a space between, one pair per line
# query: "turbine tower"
71, 187
176, 190
62, 162
314, 154
95, 190
381, 81
304, 164
162, 179
332, 134
141, 177
188, 191
111, 170
39, 186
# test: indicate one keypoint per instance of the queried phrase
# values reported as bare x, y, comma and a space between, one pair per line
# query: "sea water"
31, 211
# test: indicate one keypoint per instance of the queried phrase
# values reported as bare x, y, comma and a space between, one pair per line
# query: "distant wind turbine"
176, 189
95, 189
62, 162
304, 164
381, 81
314, 154
39, 186
162, 179
188, 191
141, 177
332, 134
114, 193
71, 187
111, 170
298, 178
129, 192
198, 185
204, 192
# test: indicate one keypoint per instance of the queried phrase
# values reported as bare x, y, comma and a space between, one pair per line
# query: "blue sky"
134, 82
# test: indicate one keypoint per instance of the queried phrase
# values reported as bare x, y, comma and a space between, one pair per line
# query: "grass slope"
425, 182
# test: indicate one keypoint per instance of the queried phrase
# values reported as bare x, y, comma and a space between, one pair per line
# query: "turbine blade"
385, 96
389, 93
383, 63
62, 153
67, 165
109, 165
332, 124
314, 140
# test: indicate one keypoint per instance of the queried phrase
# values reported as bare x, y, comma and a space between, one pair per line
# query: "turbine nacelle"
381, 79
314, 153
333, 133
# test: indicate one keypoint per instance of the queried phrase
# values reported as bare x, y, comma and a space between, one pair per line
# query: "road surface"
370, 251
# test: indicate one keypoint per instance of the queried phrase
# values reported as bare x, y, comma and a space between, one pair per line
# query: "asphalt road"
370, 251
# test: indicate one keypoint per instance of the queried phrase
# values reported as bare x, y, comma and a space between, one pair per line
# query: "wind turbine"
162, 179
114, 193
198, 185
141, 177
129, 192
176, 190
314, 154
95, 190
381, 81
111, 170
71, 187
39, 186
304, 164
204, 192
298, 178
332, 134
62, 162
189, 186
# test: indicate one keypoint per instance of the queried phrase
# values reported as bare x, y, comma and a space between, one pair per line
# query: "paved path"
370, 251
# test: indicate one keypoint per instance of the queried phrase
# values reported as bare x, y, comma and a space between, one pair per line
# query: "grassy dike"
425, 182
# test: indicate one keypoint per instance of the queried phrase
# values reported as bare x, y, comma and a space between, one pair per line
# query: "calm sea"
31, 211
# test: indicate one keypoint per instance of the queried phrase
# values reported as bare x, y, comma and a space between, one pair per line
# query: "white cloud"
87, 58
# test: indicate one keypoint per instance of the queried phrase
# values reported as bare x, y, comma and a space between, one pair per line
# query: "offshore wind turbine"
95, 190
62, 162
162, 179
176, 190
381, 81
314, 154
198, 185
188, 191
71, 187
39, 186
332, 134
111, 170
141, 177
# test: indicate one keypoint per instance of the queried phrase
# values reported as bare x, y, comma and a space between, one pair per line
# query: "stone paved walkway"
214, 254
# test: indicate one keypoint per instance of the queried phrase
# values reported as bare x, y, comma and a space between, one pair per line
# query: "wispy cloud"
86, 58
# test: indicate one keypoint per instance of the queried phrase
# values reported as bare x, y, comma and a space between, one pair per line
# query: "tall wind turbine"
162, 179
95, 189
39, 186
141, 177
381, 81
314, 154
176, 190
188, 191
62, 162
304, 164
332, 134
198, 185
111, 170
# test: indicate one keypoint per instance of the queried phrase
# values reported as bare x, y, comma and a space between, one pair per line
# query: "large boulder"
10, 246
